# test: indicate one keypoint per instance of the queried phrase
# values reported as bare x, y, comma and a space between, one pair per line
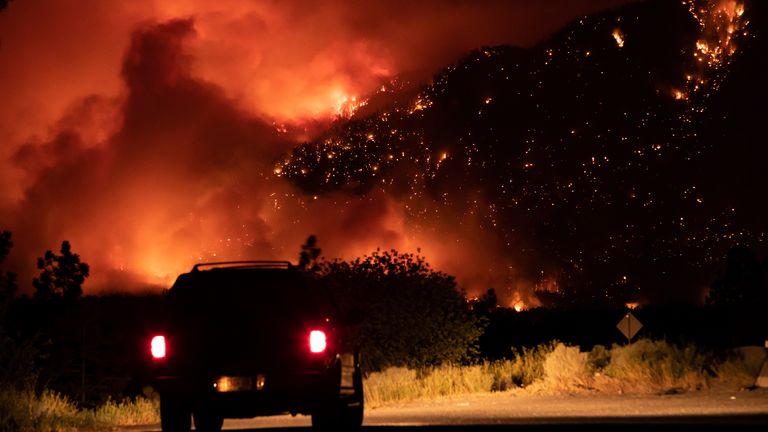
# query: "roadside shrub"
414, 316
655, 366
598, 358
566, 368
734, 372
528, 364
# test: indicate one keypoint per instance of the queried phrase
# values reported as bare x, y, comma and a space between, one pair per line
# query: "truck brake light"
317, 341
157, 347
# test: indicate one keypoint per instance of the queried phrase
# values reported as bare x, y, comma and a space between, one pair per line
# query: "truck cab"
252, 338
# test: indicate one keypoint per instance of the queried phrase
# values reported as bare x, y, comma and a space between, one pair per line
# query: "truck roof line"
245, 265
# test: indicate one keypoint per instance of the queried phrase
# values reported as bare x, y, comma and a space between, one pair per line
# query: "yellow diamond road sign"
629, 326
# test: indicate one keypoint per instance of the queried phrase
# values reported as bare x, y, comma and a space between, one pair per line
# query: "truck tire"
175, 415
342, 414
207, 420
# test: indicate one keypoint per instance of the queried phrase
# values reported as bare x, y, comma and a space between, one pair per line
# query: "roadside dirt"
522, 405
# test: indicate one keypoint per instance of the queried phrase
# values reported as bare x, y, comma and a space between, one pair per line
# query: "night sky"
548, 151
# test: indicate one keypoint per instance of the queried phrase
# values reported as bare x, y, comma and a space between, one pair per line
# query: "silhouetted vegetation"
61, 276
18, 353
8, 282
78, 356
414, 316
744, 280
309, 255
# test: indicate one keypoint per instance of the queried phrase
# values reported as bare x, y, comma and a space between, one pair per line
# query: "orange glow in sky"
146, 132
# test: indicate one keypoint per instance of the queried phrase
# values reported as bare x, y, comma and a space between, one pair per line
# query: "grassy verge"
644, 367
25, 411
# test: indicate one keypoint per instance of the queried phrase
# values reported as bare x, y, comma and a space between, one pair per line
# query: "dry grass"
566, 368
734, 372
654, 367
644, 367
401, 384
24, 411
128, 412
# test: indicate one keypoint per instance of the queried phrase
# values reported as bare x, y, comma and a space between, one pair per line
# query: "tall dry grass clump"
524, 369
734, 372
22, 410
648, 366
25, 411
127, 412
567, 368
401, 384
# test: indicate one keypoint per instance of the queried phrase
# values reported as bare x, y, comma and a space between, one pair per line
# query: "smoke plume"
145, 133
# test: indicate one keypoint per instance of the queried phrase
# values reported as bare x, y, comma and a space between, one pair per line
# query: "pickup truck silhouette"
251, 338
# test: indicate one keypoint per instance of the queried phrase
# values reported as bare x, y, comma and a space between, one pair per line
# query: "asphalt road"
726, 411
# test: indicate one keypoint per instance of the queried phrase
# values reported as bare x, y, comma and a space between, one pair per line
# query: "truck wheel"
343, 414
208, 420
352, 415
175, 415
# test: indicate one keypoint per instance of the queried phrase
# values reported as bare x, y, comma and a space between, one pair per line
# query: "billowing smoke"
146, 132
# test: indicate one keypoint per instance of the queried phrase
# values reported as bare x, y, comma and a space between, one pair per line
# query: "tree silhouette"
309, 254
8, 283
61, 276
486, 303
414, 316
743, 282
18, 353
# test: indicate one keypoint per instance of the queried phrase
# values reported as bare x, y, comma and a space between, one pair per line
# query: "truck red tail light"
317, 341
157, 347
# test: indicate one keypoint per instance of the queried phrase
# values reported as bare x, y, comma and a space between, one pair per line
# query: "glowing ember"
619, 37
420, 104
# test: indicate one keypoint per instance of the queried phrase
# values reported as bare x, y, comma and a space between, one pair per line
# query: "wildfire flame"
721, 23
519, 306
619, 37
347, 106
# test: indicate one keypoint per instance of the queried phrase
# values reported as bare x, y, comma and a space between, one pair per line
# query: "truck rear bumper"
252, 396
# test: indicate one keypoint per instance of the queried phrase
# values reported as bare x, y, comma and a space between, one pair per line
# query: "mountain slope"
613, 162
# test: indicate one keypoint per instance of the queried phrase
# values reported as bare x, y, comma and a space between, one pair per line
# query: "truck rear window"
275, 295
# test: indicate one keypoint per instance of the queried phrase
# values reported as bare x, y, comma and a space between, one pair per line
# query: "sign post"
629, 326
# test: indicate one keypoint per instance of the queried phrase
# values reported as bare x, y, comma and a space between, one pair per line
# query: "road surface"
711, 410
